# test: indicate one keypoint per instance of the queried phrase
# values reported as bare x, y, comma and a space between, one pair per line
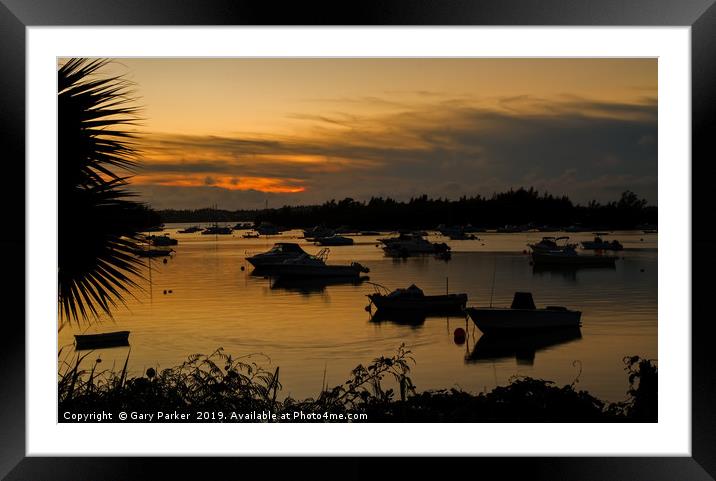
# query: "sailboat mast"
494, 272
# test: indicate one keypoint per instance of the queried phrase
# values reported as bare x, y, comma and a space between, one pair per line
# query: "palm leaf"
98, 220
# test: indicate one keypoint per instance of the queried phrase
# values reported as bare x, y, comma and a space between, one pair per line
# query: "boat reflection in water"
410, 319
566, 271
522, 345
308, 286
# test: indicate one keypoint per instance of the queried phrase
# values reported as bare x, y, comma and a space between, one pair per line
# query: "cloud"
440, 146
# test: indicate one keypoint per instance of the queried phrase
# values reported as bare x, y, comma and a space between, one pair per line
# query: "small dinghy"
105, 339
522, 315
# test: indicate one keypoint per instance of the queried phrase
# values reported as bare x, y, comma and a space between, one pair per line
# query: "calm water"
309, 329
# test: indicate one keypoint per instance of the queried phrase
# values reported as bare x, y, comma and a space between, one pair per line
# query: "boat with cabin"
267, 228
310, 266
281, 251
217, 230
318, 232
190, 230
552, 244
334, 240
162, 240
411, 243
602, 245
522, 315
414, 299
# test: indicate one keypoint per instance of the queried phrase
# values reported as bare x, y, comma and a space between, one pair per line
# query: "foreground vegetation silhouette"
97, 220
219, 382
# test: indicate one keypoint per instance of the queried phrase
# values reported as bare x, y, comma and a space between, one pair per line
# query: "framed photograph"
414, 230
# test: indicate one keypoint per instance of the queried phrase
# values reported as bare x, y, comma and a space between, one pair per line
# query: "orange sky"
242, 131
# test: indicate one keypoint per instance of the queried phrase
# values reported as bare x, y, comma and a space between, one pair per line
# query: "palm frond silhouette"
98, 220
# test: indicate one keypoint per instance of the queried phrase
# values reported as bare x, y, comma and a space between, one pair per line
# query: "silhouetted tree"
522, 207
98, 223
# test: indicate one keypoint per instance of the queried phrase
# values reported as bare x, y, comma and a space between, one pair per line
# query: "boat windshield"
286, 248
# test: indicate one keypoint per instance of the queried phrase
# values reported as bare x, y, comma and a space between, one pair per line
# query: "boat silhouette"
101, 340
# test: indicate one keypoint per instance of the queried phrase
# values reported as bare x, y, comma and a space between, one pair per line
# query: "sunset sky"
240, 132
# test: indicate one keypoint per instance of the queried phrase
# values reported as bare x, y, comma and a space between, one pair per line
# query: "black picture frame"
700, 15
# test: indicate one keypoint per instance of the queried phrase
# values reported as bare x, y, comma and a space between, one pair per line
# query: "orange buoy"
459, 336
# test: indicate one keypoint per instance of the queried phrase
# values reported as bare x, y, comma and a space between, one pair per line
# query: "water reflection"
412, 319
217, 300
408, 318
314, 286
568, 273
521, 345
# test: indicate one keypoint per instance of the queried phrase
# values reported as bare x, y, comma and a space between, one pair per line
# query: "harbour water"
206, 297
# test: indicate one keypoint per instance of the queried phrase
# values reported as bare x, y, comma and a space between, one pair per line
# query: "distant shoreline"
514, 210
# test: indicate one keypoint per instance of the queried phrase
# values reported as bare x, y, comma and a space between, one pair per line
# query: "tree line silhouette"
521, 207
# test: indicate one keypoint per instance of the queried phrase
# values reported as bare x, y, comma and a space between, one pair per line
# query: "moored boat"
217, 230
522, 315
266, 228
456, 233
414, 299
309, 266
600, 244
334, 240
105, 339
411, 243
190, 230
318, 232
162, 240
280, 252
